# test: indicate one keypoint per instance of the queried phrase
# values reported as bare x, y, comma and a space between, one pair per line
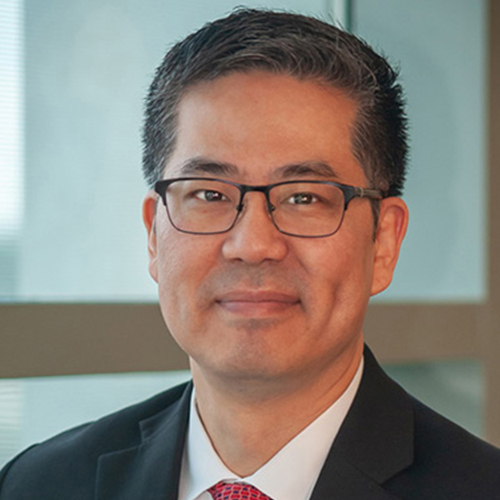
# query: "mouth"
257, 303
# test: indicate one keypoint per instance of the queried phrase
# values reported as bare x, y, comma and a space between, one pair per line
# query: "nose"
254, 237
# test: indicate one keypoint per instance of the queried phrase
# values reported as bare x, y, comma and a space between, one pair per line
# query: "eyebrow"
306, 169
201, 165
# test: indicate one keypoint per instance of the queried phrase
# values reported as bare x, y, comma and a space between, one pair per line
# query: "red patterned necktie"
236, 491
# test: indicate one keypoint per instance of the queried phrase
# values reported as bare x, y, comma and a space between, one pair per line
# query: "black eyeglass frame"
349, 192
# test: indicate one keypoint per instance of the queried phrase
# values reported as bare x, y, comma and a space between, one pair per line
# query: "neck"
249, 422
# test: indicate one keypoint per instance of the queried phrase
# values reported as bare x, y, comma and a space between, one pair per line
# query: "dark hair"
299, 46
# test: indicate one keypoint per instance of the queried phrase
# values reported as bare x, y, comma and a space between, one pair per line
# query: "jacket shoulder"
72, 456
449, 462
409, 449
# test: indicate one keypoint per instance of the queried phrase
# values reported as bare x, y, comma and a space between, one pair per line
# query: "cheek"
183, 263
342, 283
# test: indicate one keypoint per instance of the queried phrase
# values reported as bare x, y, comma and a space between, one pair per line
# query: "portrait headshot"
299, 299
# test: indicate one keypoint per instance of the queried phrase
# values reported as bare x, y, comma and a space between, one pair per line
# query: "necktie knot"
236, 491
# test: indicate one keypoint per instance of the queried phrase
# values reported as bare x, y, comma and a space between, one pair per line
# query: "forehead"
259, 123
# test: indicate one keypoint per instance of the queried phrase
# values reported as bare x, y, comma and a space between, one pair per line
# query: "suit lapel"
152, 469
374, 443
344, 482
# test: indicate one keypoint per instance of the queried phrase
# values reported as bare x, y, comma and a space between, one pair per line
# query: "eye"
302, 199
209, 195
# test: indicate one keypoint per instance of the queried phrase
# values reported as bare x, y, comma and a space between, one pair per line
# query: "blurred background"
80, 330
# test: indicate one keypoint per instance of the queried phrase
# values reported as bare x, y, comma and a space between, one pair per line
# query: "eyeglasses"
307, 209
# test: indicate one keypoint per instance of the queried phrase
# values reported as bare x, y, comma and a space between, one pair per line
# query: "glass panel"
76, 190
34, 409
441, 48
88, 64
11, 140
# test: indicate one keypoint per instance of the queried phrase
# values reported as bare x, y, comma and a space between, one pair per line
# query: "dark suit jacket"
389, 447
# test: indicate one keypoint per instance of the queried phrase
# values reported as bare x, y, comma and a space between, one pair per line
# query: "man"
276, 145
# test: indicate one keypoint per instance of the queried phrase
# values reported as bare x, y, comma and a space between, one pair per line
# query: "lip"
256, 302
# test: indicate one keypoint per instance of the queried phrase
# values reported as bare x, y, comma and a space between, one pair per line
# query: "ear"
391, 229
149, 218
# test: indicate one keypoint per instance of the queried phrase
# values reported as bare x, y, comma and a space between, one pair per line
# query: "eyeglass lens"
209, 206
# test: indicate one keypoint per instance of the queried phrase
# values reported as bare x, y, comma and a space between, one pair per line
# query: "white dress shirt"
290, 475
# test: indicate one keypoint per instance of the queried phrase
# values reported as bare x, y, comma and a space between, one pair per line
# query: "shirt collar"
290, 475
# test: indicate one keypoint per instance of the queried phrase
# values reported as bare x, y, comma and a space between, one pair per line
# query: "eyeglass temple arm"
375, 194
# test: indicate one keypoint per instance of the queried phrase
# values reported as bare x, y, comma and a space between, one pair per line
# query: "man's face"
254, 303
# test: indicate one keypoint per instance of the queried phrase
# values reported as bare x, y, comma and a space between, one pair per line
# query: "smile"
257, 303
